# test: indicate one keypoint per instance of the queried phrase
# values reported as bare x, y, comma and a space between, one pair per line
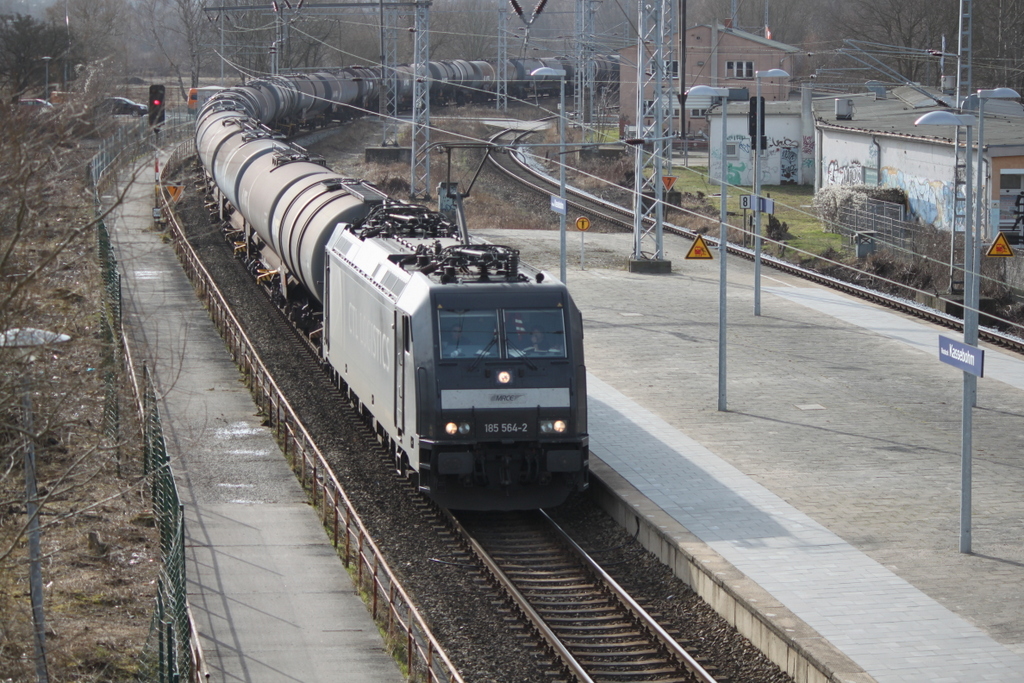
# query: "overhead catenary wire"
468, 137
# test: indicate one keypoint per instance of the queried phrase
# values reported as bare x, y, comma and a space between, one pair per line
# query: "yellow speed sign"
583, 224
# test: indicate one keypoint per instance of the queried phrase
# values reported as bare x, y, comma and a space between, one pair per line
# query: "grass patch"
793, 206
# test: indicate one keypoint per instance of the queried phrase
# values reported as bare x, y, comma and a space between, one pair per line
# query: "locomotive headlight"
553, 426
504, 377
453, 428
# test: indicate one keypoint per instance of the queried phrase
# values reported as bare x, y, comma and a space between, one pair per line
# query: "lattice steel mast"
583, 90
388, 75
420, 162
648, 243
501, 75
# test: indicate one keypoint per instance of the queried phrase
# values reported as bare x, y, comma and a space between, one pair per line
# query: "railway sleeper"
644, 677
604, 645
598, 658
577, 609
572, 624
583, 634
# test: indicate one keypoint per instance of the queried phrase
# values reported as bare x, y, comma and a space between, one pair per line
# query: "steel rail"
520, 601
609, 587
627, 600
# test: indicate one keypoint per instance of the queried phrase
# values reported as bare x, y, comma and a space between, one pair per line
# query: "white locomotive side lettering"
374, 341
460, 399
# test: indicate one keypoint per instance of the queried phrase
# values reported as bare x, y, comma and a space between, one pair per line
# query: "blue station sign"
963, 356
558, 204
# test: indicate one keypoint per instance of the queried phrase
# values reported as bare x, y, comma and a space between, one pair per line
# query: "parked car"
121, 106
35, 105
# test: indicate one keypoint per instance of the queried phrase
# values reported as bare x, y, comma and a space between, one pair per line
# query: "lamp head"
706, 91
945, 118
999, 94
771, 73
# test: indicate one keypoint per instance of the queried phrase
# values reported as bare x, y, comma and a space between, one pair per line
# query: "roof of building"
896, 113
753, 37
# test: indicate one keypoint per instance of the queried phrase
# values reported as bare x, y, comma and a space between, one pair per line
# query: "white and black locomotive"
468, 363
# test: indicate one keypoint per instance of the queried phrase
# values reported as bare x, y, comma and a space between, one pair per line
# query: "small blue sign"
557, 204
963, 356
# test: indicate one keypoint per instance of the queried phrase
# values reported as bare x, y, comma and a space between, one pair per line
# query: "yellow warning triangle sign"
1000, 247
699, 249
173, 191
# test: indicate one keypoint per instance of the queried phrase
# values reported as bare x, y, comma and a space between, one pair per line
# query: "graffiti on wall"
781, 161
848, 173
930, 201
789, 166
736, 172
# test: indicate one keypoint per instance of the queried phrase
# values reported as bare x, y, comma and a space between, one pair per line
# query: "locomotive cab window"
469, 334
534, 333
509, 333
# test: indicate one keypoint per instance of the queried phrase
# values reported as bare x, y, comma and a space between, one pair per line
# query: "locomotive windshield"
508, 333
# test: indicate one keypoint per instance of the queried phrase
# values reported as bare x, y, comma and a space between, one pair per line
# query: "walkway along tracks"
389, 604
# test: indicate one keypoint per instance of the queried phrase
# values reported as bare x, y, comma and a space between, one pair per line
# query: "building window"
698, 113
739, 69
731, 150
1011, 187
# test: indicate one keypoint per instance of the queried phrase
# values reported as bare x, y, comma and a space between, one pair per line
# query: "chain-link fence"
171, 654
168, 655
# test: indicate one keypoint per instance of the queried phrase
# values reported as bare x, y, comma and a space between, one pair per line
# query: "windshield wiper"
522, 354
480, 356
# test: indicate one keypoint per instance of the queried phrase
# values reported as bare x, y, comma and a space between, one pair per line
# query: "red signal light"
156, 103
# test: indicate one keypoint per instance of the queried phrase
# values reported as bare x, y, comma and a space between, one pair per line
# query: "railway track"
593, 630
515, 168
597, 630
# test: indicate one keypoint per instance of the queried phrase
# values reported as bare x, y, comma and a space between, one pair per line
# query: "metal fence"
406, 632
875, 223
172, 651
132, 141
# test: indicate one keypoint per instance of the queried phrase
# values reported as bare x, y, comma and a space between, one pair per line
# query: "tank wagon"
468, 363
332, 96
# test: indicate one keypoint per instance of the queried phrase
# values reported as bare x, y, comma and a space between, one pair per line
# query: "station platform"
271, 599
822, 507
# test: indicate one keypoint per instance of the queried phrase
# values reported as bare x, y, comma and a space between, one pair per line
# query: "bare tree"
49, 279
102, 31
464, 29
24, 42
181, 32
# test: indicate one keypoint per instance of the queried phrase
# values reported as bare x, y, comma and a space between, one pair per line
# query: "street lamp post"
756, 150
722, 94
972, 284
970, 383
46, 89
984, 96
560, 74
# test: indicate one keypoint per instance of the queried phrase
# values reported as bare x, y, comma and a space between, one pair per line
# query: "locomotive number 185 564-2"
506, 428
